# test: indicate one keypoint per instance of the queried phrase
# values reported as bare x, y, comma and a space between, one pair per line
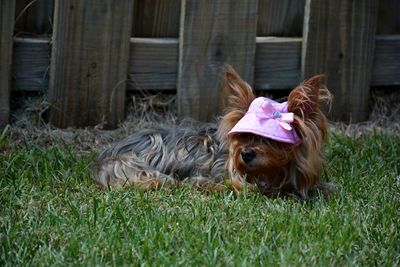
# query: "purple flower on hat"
267, 111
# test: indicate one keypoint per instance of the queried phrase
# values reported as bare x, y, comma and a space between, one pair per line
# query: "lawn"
52, 214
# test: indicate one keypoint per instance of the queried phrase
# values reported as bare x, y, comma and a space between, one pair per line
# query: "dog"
261, 144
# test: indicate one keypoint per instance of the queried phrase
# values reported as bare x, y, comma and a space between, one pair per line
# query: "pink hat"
270, 119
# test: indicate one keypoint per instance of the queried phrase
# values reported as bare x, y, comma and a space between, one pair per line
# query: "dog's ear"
240, 94
239, 97
304, 99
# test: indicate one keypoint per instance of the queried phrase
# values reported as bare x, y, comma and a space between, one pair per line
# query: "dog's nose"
248, 155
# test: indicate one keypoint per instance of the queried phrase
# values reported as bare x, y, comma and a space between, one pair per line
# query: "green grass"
51, 214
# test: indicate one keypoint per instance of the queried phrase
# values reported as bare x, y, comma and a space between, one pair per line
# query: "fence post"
213, 32
338, 40
7, 17
89, 62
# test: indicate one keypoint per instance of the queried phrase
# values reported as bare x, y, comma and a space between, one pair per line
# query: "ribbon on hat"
267, 111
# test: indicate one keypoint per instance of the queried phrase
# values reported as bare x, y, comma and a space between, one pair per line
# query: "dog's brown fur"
206, 156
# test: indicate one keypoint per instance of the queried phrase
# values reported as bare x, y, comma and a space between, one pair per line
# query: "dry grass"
143, 111
146, 111
385, 115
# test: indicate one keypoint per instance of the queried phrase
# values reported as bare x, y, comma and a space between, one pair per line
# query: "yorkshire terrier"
259, 143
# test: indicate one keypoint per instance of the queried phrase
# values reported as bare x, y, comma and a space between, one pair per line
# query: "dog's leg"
207, 183
122, 172
326, 189
240, 186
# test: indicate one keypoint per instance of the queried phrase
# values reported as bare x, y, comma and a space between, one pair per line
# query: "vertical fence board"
156, 18
338, 40
280, 18
7, 10
89, 62
213, 33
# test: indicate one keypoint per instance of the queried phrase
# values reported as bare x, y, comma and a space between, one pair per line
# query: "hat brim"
268, 128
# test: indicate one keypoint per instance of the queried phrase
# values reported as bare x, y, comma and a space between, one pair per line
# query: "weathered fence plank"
31, 64
213, 33
89, 62
277, 63
280, 18
7, 11
386, 65
156, 18
153, 63
339, 38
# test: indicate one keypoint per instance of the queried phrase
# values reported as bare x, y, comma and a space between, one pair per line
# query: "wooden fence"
85, 53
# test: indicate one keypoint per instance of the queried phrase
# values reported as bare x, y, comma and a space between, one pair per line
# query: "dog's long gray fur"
188, 152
